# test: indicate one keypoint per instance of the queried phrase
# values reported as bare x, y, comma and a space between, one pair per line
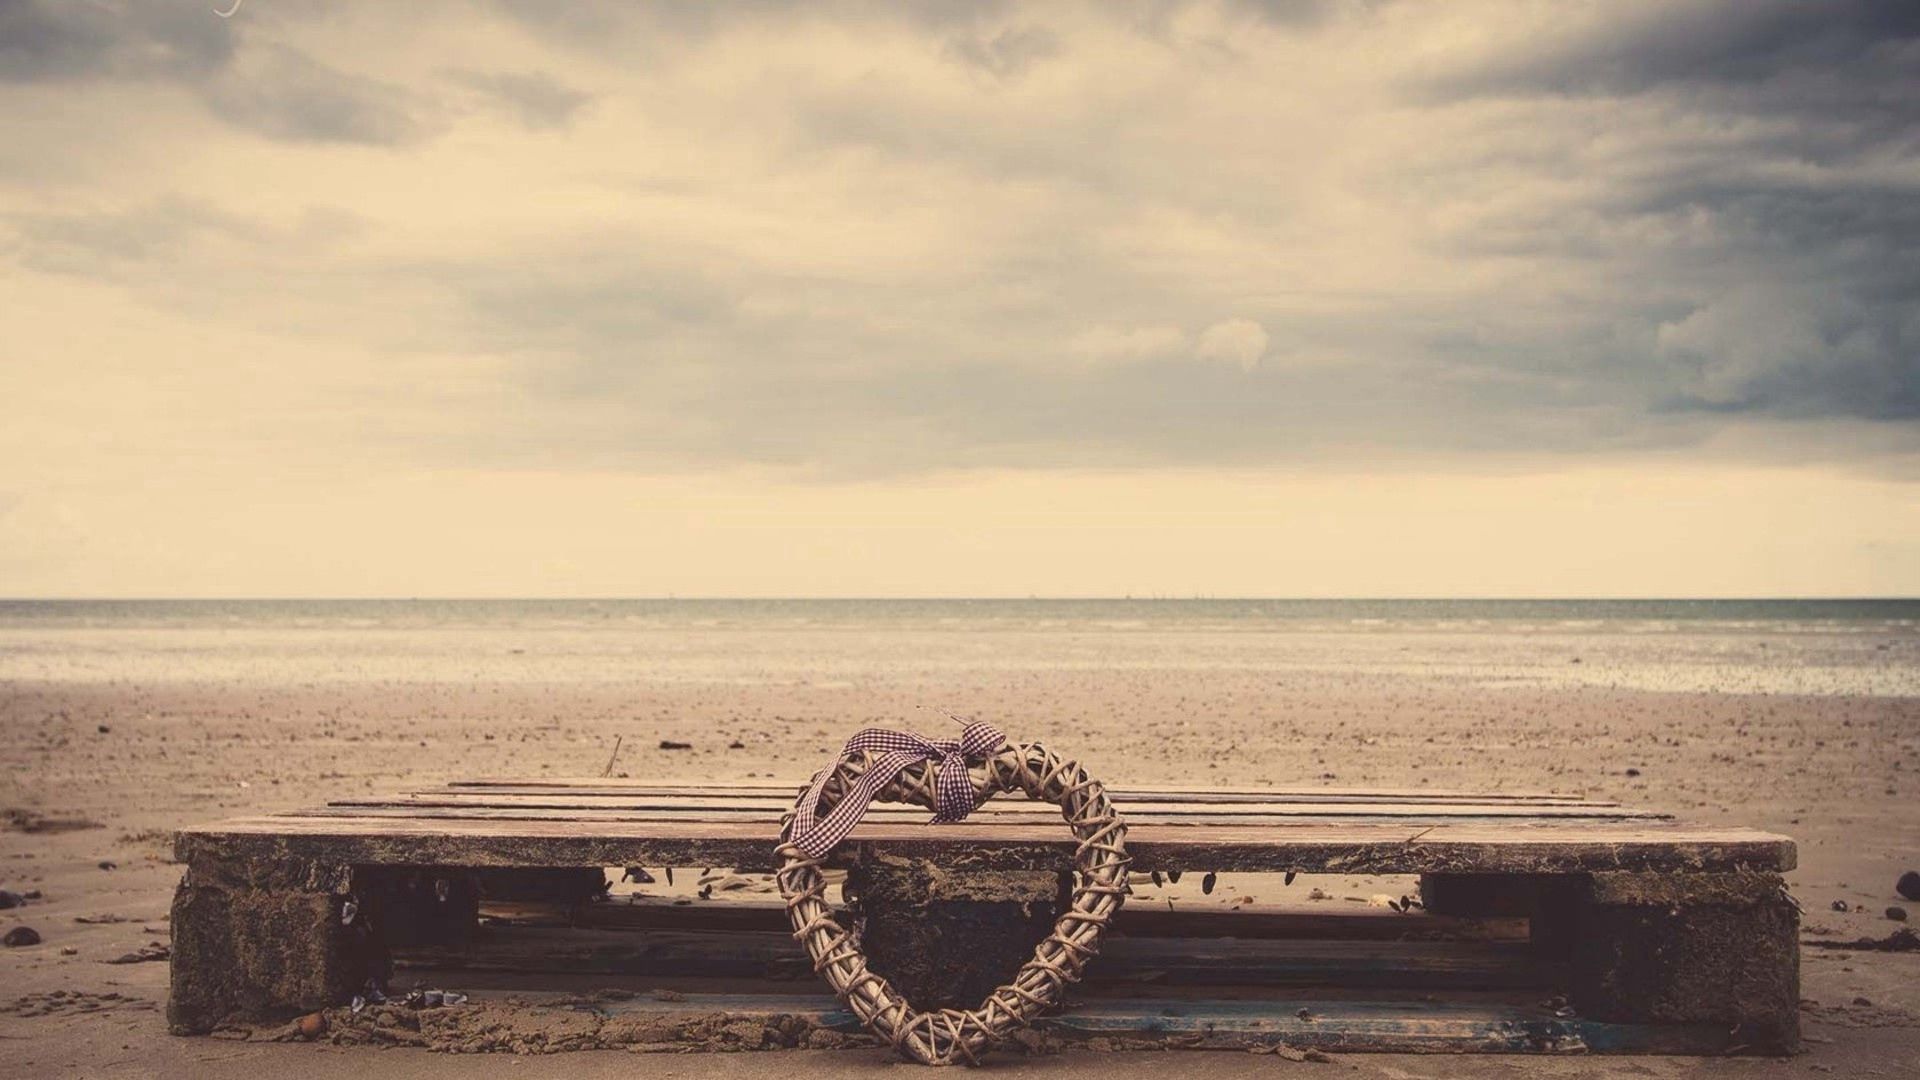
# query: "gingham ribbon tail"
952, 788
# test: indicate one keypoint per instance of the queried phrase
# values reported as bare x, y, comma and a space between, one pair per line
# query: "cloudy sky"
1484, 298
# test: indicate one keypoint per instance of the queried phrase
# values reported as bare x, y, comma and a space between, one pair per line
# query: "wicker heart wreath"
888, 766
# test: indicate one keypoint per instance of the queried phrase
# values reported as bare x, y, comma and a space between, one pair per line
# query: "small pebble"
1897, 913
1909, 885
10, 899
19, 936
1841, 905
312, 1025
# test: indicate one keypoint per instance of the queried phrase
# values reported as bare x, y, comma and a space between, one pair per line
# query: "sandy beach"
1154, 304
122, 728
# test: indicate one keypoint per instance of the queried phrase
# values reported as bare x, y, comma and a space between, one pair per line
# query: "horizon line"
998, 598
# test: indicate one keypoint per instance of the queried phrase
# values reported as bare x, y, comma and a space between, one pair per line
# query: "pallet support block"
1718, 948
261, 941
945, 938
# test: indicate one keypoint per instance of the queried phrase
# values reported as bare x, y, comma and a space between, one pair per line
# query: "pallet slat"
996, 811
1328, 1024
1334, 920
785, 791
1304, 845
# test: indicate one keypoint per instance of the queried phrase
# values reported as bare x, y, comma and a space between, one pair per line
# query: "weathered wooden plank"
786, 798
982, 829
792, 783
1303, 845
1318, 1023
772, 809
1336, 922
759, 793
985, 818
788, 789
1382, 1027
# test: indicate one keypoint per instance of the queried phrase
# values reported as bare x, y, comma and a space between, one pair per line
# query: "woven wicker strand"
952, 1036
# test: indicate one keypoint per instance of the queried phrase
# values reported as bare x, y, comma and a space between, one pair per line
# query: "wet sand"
138, 731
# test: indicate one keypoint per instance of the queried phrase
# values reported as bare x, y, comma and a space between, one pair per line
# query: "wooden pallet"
1665, 936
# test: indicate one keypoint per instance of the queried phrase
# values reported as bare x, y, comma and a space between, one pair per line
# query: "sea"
1794, 646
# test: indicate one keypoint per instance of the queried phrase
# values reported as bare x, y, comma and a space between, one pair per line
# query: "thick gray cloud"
264, 87
48, 40
1787, 230
1850, 47
871, 238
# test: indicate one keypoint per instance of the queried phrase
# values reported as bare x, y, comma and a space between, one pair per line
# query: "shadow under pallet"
1363, 980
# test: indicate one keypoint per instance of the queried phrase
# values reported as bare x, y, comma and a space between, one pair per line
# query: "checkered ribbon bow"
952, 787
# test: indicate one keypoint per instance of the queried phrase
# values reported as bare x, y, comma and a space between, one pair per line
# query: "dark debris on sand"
1909, 885
14, 819
1901, 940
